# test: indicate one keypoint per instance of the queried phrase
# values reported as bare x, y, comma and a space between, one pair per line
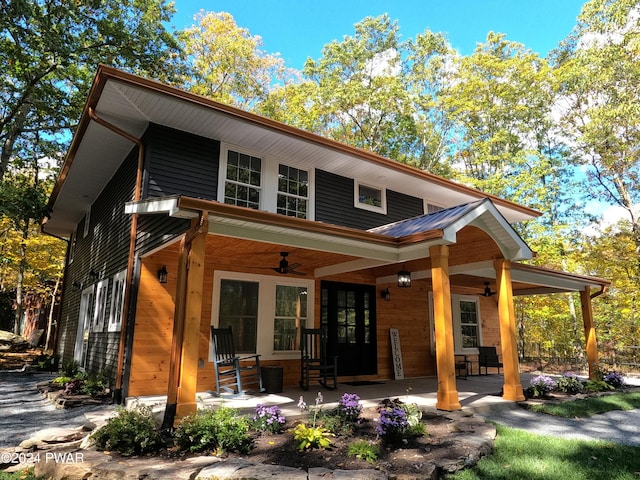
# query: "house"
182, 213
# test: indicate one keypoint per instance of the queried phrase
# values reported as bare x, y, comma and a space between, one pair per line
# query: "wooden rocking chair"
314, 361
233, 373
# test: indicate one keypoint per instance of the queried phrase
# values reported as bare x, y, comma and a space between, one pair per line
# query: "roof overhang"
131, 103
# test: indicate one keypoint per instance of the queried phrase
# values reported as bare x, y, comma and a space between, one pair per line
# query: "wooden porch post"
186, 403
445, 350
589, 333
512, 389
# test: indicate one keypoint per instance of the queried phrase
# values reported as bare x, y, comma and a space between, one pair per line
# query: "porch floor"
477, 394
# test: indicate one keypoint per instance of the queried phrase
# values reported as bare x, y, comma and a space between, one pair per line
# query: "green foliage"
364, 449
70, 368
218, 430
525, 456
130, 432
569, 384
310, 436
597, 386
26, 474
46, 362
61, 380
590, 406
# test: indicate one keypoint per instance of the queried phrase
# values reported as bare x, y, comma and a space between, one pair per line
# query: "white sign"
396, 353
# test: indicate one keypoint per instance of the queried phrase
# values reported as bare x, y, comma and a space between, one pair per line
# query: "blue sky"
298, 29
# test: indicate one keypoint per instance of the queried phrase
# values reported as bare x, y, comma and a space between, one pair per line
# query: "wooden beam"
186, 402
443, 319
512, 389
589, 333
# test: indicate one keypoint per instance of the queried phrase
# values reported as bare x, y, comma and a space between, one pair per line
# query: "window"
290, 315
239, 310
293, 188
467, 331
370, 198
265, 312
100, 311
243, 180
117, 301
84, 325
87, 221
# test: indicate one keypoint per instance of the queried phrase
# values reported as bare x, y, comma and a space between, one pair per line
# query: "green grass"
520, 455
587, 407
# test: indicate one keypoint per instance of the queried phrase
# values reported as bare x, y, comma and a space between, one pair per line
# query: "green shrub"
569, 383
70, 368
363, 449
219, 430
311, 436
130, 432
597, 386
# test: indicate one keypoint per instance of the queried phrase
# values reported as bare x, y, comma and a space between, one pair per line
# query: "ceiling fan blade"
293, 266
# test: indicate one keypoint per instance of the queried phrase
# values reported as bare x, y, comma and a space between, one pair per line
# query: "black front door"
348, 311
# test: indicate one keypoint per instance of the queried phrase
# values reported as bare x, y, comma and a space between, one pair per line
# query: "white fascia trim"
167, 206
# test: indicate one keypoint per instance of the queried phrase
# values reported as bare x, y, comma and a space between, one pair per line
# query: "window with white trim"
117, 301
467, 327
100, 311
265, 182
293, 191
265, 312
243, 181
84, 326
369, 197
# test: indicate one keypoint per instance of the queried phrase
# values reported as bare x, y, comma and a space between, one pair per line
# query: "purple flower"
349, 406
268, 418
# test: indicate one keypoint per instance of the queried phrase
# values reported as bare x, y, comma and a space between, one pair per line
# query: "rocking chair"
314, 360
233, 373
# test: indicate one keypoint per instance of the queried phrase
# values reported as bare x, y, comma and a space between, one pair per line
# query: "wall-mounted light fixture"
404, 278
162, 274
487, 290
93, 274
386, 294
77, 285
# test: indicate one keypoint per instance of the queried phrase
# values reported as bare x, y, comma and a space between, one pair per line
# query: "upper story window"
293, 191
370, 198
265, 183
243, 180
117, 301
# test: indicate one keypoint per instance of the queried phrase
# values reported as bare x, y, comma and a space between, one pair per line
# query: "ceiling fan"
487, 290
284, 266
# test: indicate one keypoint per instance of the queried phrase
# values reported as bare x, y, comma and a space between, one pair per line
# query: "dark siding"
334, 204
104, 250
180, 163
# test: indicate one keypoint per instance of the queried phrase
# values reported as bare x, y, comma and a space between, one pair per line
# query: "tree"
598, 66
50, 49
226, 62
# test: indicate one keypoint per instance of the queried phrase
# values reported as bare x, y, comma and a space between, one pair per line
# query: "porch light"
162, 274
487, 290
404, 278
386, 294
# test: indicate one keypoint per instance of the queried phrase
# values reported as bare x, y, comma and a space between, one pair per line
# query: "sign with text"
396, 353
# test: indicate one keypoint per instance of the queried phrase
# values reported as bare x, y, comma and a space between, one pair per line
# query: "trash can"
272, 378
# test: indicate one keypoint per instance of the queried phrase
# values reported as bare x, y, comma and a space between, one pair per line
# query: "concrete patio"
478, 394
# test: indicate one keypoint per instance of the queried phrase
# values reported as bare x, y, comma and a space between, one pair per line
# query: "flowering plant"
393, 424
268, 419
312, 436
540, 385
615, 379
349, 407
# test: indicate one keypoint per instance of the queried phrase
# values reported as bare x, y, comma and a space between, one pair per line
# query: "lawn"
520, 455
588, 407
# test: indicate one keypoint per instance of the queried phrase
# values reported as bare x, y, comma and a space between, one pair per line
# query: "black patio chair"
488, 358
315, 363
233, 373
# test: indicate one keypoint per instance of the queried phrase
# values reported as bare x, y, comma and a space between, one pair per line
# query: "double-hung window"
265, 312
243, 182
467, 332
100, 313
117, 301
293, 191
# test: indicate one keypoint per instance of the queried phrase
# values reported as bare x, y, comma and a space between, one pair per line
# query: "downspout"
117, 394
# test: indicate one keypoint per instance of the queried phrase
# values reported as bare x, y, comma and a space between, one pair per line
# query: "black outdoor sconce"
386, 295
162, 274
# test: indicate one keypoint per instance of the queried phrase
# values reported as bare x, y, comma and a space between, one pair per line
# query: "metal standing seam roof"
432, 221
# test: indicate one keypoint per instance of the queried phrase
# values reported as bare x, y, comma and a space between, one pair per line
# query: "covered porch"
460, 251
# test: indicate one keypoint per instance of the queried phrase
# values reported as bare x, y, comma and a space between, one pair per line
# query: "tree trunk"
20, 280
47, 344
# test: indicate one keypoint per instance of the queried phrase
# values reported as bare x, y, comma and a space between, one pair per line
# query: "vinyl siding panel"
334, 204
104, 251
179, 163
